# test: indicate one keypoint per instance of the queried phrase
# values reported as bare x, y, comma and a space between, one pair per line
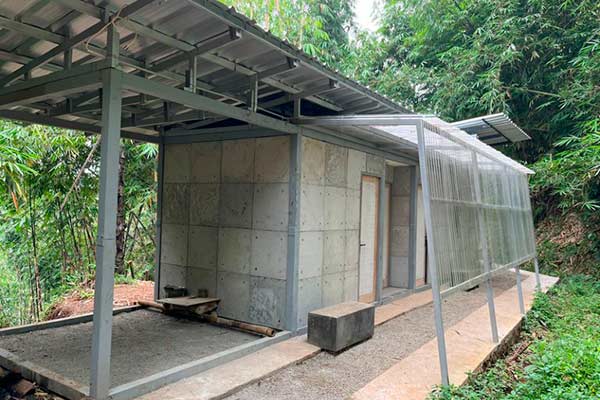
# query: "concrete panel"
272, 161
206, 162
401, 185
310, 254
269, 254
375, 164
334, 208
171, 275
334, 245
235, 246
174, 244
356, 166
400, 211
313, 161
267, 301
336, 165
203, 245
238, 161
177, 163
332, 289
309, 298
352, 209
204, 204
352, 249
311, 210
399, 271
389, 174
200, 279
175, 203
236, 205
271, 206
400, 241
351, 285
234, 291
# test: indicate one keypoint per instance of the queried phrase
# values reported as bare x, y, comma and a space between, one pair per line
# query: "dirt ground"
77, 303
328, 377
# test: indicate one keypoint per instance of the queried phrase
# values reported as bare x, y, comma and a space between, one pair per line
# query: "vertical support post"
160, 170
484, 249
191, 75
538, 282
380, 235
107, 227
520, 290
297, 108
435, 285
253, 93
412, 233
295, 191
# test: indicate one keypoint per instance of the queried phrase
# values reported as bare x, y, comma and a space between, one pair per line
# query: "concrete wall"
329, 223
225, 224
400, 228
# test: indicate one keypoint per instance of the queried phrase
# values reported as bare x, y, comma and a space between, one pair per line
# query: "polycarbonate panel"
479, 205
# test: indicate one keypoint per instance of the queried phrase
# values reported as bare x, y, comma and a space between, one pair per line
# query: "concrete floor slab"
144, 343
468, 345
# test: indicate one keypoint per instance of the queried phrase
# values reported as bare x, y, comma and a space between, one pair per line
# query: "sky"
364, 14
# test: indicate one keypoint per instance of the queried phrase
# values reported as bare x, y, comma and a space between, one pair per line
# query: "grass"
558, 356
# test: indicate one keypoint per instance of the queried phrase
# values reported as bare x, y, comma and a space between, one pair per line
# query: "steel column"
435, 286
160, 169
380, 235
538, 282
412, 234
295, 190
484, 249
520, 290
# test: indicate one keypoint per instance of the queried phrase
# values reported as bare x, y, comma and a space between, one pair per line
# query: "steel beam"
107, 225
435, 286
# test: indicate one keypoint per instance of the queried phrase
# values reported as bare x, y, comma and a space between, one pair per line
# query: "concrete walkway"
468, 346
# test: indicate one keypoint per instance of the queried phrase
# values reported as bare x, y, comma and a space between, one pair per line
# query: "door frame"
373, 295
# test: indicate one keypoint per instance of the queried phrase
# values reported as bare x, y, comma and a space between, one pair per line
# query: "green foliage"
563, 359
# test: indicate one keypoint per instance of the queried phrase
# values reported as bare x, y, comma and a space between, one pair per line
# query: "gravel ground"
338, 377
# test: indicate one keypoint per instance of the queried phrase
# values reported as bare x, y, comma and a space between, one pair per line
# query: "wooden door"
369, 210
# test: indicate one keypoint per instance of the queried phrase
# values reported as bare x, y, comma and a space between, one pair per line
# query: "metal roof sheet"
493, 129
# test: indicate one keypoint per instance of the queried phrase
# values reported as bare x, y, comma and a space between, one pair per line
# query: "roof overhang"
493, 129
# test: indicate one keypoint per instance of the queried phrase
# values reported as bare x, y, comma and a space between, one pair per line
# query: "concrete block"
174, 240
400, 211
171, 275
177, 163
338, 327
375, 164
334, 245
351, 285
310, 254
309, 298
336, 165
238, 161
234, 291
334, 213
267, 301
332, 289
271, 206
235, 246
203, 245
356, 166
400, 241
269, 254
272, 160
236, 205
352, 249
313, 161
401, 184
206, 162
200, 279
204, 204
311, 208
399, 272
352, 209
175, 203
389, 174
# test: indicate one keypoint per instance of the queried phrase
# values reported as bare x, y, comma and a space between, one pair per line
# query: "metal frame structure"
152, 72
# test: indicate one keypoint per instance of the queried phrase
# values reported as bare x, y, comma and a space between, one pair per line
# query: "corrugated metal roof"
159, 32
493, 129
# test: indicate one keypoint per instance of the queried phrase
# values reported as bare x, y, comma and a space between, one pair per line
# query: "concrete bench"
338, 327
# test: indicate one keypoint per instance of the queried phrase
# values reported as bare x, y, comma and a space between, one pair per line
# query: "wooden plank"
188, 301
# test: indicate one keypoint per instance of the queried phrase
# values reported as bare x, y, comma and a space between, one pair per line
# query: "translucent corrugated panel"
479, 205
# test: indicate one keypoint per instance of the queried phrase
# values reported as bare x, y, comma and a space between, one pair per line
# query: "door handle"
362, 244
